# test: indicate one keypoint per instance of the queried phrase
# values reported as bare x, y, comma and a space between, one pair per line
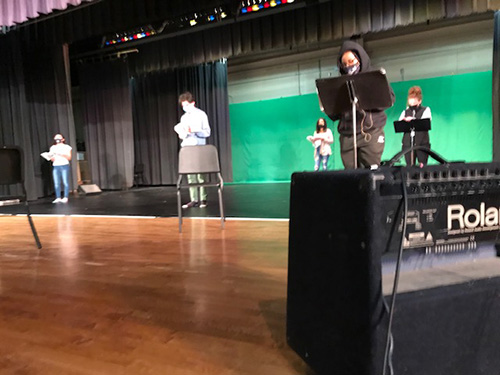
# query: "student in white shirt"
194, 130
60, 156
321, 140
414, 111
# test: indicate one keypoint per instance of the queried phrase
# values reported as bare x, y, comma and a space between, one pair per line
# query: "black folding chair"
199, 160
12, 173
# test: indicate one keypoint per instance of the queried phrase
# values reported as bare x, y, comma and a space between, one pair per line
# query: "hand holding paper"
47, 156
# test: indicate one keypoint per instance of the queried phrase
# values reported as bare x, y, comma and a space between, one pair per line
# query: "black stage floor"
266, 201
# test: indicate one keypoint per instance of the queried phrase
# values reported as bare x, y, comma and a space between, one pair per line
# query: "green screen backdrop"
269, 137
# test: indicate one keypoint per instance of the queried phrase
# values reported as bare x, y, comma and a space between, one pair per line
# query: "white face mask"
188, 108
58, 140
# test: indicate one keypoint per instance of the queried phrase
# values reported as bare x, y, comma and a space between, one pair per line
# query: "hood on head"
359, 51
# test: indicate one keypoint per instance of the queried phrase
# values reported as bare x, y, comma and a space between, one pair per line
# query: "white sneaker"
64, 200
57, 200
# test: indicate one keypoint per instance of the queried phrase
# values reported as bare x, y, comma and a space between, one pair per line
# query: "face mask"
413, 107
187, 108
353, 69
57, 140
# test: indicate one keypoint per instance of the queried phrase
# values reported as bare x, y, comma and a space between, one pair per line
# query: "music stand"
366, 91
416, 125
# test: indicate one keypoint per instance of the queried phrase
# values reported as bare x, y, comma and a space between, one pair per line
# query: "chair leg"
221, 208
179, 209
32, 225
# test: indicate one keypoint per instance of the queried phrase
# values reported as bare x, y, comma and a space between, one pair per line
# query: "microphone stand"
412, 143
354, 101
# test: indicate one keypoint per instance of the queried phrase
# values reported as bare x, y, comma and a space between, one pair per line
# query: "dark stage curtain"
14, 125
156, 111
109, 132
34, 105
50, 109
311, 21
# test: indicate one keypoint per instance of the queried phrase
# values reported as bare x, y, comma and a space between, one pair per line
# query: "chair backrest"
199, 159
11, 162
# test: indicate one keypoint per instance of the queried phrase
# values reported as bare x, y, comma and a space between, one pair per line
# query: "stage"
266, 201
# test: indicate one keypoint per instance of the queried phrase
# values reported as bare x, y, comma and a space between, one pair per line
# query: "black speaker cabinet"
342, 225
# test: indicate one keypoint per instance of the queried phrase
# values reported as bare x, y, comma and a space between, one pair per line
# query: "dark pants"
421, 139
369, 151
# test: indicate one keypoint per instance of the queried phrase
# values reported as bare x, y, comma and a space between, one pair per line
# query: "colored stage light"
272, 3
244, 10
193, 22
223, 15
266, 4
255, 8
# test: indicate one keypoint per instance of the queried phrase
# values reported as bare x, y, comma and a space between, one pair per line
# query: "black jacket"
368, 120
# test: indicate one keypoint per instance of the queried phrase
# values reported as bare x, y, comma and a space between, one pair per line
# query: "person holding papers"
60, 155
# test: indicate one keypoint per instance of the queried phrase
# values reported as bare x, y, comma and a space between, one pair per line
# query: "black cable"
389, 343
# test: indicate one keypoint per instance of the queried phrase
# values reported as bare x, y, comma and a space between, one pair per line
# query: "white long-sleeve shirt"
426, 114
193, 128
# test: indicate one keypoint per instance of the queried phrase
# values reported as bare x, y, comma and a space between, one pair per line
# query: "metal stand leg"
179, 208
30, 220
221, 207
354, 101
412, 144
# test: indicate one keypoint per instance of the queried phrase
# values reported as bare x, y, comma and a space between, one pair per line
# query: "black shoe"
203, 204
191, 204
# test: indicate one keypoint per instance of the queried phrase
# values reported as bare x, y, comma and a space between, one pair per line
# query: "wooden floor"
133, 296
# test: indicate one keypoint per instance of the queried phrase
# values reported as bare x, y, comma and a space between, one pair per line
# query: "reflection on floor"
133, 296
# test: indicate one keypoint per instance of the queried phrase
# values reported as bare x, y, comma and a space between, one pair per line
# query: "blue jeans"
321, 160
61, 172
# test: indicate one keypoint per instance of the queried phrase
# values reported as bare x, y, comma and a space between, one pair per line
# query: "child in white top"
60, 155
321, 141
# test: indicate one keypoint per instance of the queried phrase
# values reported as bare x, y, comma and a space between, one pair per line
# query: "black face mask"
414, 107
352, 69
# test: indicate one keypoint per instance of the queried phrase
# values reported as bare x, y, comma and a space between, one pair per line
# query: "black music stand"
365, 91
416, 125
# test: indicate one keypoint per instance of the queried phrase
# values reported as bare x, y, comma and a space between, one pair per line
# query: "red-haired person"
415, 111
